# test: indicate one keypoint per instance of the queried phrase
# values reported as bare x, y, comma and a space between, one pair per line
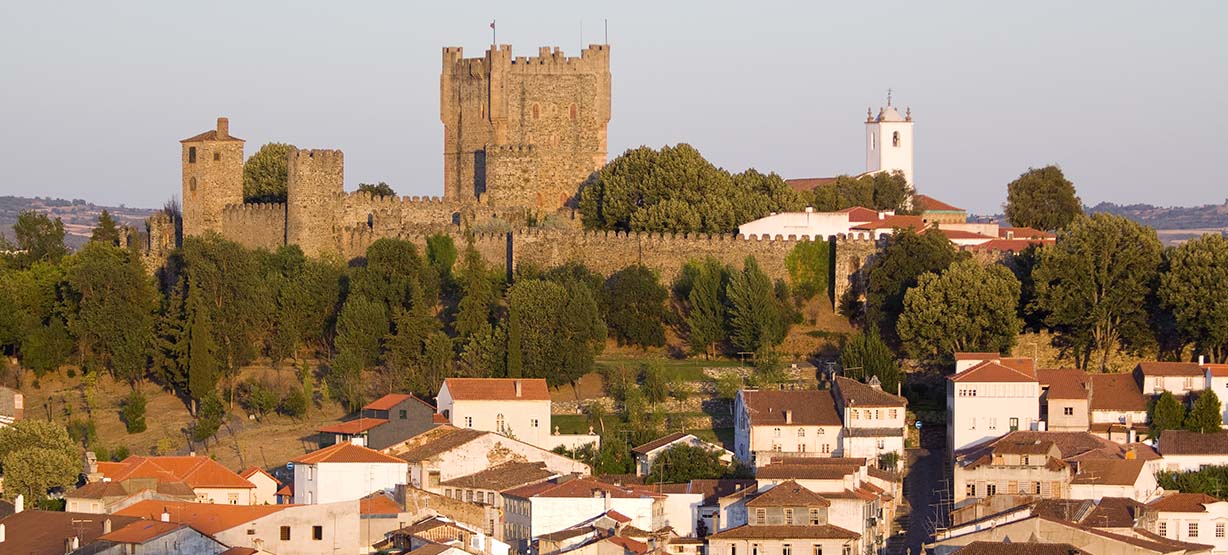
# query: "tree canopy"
380, 189
1194, 289
756, 319
1042, 198
1204, 417
266, 173
896, 270
682, 463
106, 231
112, 304
866, 355
968, 307
1094, 285
556, 330
40, 238
36, 456
635, 306
1167, 413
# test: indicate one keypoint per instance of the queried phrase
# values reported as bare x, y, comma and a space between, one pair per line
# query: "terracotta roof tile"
893, 222
959, 234
497, 389
1109, 472
629, 544
715, 489
861, 214
208, 518
239, 551
437, 440
34, 532
1005, 245
391, 400
659, 442
141, 531
1170, 369
1116, 392
352, 427
1024, 233
1064, 383
210, 135
346, 452
788, 494
749, 532
1217, 370
378, 504
1114, 512
810, 407
1183, 503
504, 476
994, 372
776, 471
198, 472
1185, 442
977, 356
580, 487
1019, 548
931, 204
859, 394
253, 470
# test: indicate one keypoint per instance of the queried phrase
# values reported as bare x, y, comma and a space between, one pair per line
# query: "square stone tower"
212, 178
523, 132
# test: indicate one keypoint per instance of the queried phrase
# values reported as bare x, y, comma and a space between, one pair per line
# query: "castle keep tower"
523, 132
315, 187
889, 142
212, 178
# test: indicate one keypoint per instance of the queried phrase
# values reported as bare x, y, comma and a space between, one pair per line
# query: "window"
761, 516
853, 414
818, 549
814, 520
801, 447
993, 423
232, 498
880, 444
468, 421
402, 414
1014, 424
217, 156
1036, 488
775, 432
1193, 530
801, 432
1027, 461
1068, 411
970, 489
991, 488
873, 141
311, 472
499, 422
317, 533
818, 431
251, 531
733, 550
877, 414
846, 550
447, 492
789, 516
972, 423
786, 549
191, 155
533, 422
754, 549
192, 184
892, 414
311, 497
1219, 529
825, 448
285, 533
1163, 528
895, 138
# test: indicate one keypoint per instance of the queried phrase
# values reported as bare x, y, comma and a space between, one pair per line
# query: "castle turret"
212, 177
889, 142
313, 191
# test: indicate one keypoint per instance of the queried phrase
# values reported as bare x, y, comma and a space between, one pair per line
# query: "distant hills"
79, 216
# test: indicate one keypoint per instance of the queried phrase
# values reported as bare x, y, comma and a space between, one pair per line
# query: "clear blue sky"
1126, 96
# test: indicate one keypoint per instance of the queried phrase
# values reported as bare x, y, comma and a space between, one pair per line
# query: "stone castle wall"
255, 226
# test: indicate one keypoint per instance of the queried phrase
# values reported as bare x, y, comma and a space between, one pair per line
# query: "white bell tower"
889, 141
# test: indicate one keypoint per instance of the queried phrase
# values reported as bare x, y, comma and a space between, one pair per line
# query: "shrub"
260, 399
295, 404
727, 386
82, 431
133, 413
208, 418
120, 453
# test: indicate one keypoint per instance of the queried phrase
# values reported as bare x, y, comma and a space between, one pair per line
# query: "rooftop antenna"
606, 23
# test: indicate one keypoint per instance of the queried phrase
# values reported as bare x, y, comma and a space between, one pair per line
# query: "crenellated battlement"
521, 149
255, 207
317, 154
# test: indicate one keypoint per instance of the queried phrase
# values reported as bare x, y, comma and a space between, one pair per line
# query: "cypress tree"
1205, 417
106, 231
202, 353
1167, 414
515, 358
706, 318
754, 316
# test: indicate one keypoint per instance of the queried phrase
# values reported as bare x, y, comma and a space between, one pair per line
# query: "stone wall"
255, 226
313, 198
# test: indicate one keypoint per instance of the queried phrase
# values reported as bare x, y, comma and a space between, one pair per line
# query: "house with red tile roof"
515, 407
1179, 378
386, 421
266, 485
646, 454
301, 529
936, 211
788, 514
1065, 396
344, 472
208, 479
155, 536
562, 503
989, 396
1191, 517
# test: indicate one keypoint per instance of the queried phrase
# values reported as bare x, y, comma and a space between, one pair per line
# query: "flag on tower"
492, 24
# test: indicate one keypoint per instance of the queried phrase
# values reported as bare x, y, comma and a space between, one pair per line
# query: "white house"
1118, 407
446, 453
797, 423
647, 453
343, 472
873, 419
990, 396
1191, 517
1130, 478
783, 518
546, 507
1185, 450
514, 407
266, 485
1179, 378
300, 529
208, 479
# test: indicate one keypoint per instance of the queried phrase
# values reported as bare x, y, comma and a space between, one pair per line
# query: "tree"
866, 355
635, 306
307, 294
380, 189
260, 398
755, 318
555, 331
1042, 198
682, 463
1205, 417
266, 173
1193, 288
36, 456
1094, 285
361, 327
39, 237
1166, 414
203, 360
106, 232
656, 383
112, 302
675, 189
896, 269
441, 256
808, 264
133, 412
396, 276
478, 295
970, 307
705, 302
209, 418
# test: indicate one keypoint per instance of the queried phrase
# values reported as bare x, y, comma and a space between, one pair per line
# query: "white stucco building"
990, 396
546, 507
266, 485
799, 423
646, 454
446, 453
344, 472
873, 419
1192, 517
1185, 450
889, 144
301, 529
1179, 378
208, 479
514, 407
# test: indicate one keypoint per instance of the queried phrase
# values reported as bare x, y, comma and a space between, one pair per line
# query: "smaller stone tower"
212, 178
313, 193
889, 141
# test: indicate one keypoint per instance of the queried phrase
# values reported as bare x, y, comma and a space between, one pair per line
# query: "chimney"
166, 515
223, 128
1, 533
19, 503
788, 416
809, 209
518, 388
1201, 360
106, 526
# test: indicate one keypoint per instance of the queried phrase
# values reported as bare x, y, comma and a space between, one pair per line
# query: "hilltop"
79, 216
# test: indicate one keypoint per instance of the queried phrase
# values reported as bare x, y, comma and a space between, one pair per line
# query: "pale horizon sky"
1124, 96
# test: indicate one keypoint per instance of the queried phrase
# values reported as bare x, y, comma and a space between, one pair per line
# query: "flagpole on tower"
494, 38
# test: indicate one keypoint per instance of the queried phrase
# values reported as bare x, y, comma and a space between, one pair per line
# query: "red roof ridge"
346, 452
